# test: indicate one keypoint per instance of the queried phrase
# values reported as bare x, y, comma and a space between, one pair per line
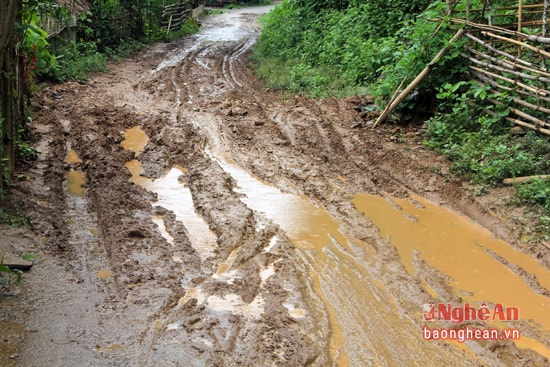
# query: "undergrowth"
483, 150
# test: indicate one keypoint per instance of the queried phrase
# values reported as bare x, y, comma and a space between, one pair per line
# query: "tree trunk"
8, 85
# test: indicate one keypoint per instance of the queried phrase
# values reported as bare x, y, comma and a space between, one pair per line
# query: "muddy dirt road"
184, 215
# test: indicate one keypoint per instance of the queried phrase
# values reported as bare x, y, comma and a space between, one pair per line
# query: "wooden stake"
524, 179
520, 16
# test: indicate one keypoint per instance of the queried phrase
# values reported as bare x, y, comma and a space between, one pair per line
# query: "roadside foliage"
339, 48
59, 41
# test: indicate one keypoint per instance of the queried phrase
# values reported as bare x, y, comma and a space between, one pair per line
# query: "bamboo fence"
174, 15
508, 52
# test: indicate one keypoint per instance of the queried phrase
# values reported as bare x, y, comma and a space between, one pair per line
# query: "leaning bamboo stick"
522, 114
524, 124
494, 84
526, 116
537, 91
533, 107
507, 64
505, 70
529, 126
484, 79
391, 106
522, 44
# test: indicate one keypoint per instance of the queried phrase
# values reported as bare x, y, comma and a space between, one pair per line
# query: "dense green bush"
110, 28
351, 45
474, 136
536, 192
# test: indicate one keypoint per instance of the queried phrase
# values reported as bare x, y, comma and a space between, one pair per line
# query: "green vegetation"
339, 48
74, 45
14, 220
8, 276
109, 29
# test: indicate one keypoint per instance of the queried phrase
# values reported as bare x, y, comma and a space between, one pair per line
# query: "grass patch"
79, 60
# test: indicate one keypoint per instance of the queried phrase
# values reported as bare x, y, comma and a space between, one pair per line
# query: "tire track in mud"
214, 138
260, 297
321, 143
213, 294
228, 66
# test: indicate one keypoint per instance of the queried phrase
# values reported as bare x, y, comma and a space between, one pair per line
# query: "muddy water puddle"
479, 265
72, 157
76, 180
173, 195
364, 322
75, 183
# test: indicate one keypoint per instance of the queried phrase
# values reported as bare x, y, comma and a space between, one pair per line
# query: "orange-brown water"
135, 140
460, 248
75, 183
366, 326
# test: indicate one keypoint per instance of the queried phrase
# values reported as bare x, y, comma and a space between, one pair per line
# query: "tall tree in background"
10, 93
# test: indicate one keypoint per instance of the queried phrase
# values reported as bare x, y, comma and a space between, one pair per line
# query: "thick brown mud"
186, 215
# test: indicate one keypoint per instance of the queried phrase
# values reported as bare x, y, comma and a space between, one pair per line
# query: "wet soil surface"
185, 215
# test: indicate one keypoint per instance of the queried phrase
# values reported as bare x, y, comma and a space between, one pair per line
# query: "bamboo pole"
529, 126
391, 106
506, 70
486, 27
526, 116
507, 64
524, 179
534, 107
537, 91
509, 89
522, 44
520, 11
544, 17
499, 52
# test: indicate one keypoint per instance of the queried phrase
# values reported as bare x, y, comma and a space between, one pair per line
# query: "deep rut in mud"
188, 216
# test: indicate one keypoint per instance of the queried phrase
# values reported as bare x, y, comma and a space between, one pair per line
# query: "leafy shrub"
486, 159
359, 44
478, 143
536, 192
79, 60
